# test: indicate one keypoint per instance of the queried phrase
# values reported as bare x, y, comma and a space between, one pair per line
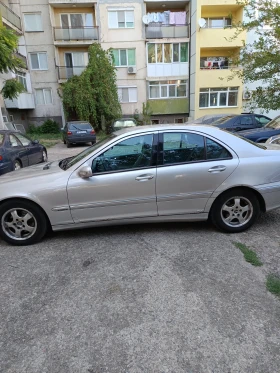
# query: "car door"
244, 122
17, 150
191, 167
34, 151
122, 185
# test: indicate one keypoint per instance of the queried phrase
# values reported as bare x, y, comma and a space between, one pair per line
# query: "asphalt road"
176, 298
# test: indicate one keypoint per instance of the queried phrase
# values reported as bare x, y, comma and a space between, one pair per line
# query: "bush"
49, 126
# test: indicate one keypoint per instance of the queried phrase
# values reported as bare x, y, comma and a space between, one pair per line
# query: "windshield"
80, 126
69, 162
274, 123
124, 123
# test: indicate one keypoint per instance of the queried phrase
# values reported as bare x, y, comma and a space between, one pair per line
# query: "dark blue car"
17, 151
262, 134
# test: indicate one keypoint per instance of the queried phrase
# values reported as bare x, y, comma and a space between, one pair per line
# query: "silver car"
143, 175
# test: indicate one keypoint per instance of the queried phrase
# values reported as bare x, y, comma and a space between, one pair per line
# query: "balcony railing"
160, 31
22, 58
75, 33
65, 72
10, 16
23, 101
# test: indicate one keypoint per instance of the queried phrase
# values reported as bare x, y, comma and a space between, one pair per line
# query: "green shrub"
49, 126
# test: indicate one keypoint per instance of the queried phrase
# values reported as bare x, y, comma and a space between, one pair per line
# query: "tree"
9, 62
260, 59
93, 96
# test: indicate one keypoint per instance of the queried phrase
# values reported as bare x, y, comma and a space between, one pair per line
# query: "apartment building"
161, 54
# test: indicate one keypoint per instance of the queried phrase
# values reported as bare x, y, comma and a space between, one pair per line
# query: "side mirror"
35, 141
85, 172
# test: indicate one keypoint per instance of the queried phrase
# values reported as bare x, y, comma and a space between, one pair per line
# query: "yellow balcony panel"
214, 78
220, 38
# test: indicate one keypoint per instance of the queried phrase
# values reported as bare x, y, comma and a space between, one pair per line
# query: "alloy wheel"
19, 224
236, 211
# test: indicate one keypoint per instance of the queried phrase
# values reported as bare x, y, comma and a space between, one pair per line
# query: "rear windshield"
79, 126
124, 123
222, 120
1, 138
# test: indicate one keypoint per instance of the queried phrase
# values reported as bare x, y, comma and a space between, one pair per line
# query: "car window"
14, 141
1, 138
245, 120
124, 123
261, 120
135, 152
79, 126
24, 140
182, 147
216, 151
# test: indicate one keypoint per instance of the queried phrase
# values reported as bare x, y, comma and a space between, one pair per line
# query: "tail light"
69, 133
1, 158
92, 132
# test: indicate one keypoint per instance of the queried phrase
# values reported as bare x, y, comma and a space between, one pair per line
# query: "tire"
68, 144
93, 142
15, 216
17, 165
235, 211
44, 156
64, 141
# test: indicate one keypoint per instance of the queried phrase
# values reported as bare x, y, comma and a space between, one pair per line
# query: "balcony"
221, 38
24, 101
168, 69
75, 35
216, 77
9, 17
154, 31
65, 72
170, 106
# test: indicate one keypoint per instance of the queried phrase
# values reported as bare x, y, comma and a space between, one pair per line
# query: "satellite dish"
202, 22
145, 19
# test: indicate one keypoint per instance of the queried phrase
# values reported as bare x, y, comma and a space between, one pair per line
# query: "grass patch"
46, 139
249, 255
273, 284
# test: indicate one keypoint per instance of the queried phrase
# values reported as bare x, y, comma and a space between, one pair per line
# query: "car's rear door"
17, 150
34, 151
123, 185
191, 167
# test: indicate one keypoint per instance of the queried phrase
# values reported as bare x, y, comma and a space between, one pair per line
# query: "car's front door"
33, 150
122, 185
192, 168
17, 150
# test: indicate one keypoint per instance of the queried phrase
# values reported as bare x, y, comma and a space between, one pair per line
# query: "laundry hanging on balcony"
167, 18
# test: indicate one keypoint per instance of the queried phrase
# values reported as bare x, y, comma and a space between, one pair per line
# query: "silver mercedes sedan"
144, 175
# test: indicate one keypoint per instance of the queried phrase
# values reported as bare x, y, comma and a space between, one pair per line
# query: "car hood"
254, 131
30, 172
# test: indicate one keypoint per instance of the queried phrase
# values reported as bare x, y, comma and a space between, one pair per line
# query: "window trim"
128, 102
125, 49
226, 90
37, 53
33, 13
121, 10
43, 89
167, 85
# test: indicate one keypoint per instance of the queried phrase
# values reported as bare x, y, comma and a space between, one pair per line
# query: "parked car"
77, 132
123, 123
262, 134
208, 119
275, 140
234, 123
144, 175
17, 151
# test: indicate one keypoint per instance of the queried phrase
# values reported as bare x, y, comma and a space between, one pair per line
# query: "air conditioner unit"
131, 70
247, 95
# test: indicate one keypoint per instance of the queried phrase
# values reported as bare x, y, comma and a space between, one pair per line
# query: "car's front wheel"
235, 211
22, 222
17, 165
44, 156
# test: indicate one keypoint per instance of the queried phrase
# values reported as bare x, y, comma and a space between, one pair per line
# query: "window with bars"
168, 89
124, 57
218, 97
167, 52
121, 19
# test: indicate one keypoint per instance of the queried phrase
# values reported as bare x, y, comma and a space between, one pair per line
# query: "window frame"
21, 78
168, 85
209, 19
125, 19
128, 87
126, 52
43, 89
29, 14
163, 53
37, 53
218, 90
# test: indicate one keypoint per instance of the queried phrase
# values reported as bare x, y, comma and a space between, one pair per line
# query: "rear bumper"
81, 139
5, 167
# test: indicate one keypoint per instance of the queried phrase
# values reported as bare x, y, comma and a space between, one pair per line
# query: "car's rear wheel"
22, 222
68, 144
17, 165
235, 211
93, 142
45, 156
64, 141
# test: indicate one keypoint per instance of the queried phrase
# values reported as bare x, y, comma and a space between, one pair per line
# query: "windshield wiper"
77, 128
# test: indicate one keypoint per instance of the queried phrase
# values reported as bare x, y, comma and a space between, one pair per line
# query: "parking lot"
176, 298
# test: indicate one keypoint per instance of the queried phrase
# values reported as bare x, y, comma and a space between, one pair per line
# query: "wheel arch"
23, 199
250, 189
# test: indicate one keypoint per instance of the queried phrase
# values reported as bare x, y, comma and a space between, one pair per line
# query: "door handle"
144, 177
217, 169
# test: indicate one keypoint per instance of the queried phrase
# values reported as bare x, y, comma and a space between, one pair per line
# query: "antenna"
201, 23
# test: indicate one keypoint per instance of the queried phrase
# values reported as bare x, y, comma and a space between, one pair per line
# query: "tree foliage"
260, 59
9, 62
93, 95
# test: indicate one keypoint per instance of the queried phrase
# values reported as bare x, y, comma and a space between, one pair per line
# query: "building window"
39, 61
218, 97
167, 52
219, 22
168, 89
121, 19
76, 20
124, 57
33, 22
127, 94
44, 96
21, 77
